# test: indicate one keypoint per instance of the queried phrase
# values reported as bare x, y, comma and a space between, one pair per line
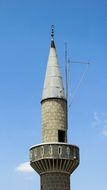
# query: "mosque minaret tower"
54, 159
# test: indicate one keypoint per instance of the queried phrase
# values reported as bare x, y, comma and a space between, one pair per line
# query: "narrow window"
61, 136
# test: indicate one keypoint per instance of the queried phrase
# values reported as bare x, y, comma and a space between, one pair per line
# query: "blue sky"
24, 47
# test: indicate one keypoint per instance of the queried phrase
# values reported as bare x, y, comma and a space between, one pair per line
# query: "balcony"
54, 157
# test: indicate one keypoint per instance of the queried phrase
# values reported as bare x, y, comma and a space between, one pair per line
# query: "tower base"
55, 181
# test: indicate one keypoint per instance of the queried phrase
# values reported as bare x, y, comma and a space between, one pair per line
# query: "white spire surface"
53, 85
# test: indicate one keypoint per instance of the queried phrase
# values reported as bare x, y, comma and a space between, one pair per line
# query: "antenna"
81, 79
66, 79
66, 70
67, 61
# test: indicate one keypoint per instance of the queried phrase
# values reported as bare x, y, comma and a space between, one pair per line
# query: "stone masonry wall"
54, 118
55, 181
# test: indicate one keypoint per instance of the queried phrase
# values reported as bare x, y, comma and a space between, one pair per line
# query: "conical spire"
53, 85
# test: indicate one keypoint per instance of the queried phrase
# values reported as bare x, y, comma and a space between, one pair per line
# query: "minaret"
54, 159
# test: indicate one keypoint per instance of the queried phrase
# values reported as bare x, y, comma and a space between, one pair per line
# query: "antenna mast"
66, 79
66, 71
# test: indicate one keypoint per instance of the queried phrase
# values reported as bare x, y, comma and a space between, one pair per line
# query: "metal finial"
52, 31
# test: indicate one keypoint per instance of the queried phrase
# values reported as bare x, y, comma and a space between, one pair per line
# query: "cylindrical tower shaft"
53, 181
54, 160
54, 121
